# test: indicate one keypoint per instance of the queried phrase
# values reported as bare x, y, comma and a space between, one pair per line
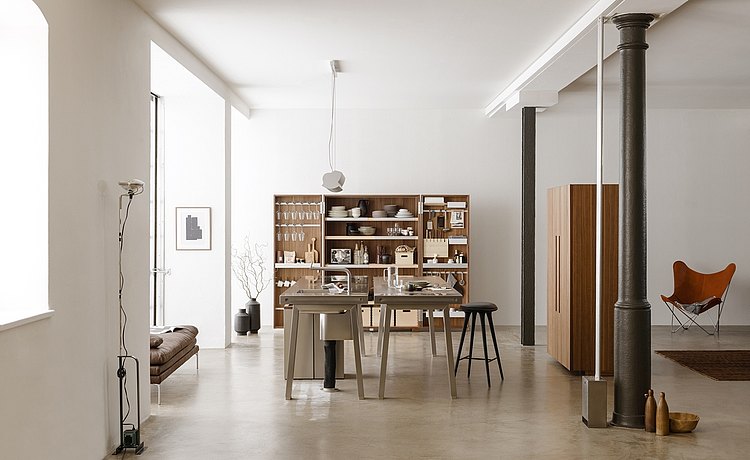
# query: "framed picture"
193, 229
341, 256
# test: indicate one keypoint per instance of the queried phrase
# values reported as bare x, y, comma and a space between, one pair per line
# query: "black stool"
484, 309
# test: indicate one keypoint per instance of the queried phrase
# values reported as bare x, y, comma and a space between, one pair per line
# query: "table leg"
357, 351
361, 329
292, 352
384, 355
431, 319
381, 328
449, 350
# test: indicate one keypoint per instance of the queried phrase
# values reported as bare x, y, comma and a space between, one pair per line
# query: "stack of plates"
379, 214
338, 211
404, 213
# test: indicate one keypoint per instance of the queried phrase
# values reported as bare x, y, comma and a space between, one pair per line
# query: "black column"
528, 222
632, 310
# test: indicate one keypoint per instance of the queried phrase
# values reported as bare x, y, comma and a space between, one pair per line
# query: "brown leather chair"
696, 293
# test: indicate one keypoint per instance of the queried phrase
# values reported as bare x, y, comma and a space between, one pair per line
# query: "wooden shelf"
373, 237
371, 266
371, 219
277, 265
427, 266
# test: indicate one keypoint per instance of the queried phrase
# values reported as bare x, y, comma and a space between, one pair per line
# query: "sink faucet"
336, 269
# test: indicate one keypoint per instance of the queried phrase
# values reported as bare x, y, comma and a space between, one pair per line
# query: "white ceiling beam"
574, 53
539, 99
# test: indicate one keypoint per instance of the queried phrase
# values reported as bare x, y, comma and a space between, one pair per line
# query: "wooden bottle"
650, 411
662, 416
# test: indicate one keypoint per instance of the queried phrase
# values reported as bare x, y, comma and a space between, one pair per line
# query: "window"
24, 157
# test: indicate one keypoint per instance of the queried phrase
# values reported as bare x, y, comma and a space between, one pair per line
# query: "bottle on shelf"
365, 257
455, 256
356, 254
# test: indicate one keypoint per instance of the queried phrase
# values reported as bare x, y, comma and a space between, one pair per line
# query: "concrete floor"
235, 407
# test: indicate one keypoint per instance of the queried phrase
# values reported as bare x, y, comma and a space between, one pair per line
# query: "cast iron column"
632, 310
528, 222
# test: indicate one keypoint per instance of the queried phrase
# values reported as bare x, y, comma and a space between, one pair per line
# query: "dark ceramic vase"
241, 322
253, 309
363, 207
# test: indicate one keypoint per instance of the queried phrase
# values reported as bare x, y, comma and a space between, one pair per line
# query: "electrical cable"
332, 132
123, 313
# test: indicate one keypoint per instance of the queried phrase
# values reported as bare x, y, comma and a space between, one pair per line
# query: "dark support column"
632, 310
329, 375
528, 222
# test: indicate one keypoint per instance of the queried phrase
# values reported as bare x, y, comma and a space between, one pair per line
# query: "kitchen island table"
438, 295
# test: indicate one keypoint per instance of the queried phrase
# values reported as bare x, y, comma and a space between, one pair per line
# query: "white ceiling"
429, 53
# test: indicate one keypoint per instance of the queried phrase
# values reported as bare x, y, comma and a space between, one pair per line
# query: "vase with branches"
248, 266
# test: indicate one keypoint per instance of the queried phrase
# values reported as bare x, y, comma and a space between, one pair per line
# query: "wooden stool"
484, 309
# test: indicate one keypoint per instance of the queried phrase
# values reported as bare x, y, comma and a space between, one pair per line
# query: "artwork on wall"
193, 229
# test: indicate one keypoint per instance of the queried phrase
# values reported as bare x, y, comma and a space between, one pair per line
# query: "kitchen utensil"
309, 255
315, 252
441, 221
429, 228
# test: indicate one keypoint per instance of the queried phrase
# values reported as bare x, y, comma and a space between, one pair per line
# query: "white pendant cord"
332, 132
599, 163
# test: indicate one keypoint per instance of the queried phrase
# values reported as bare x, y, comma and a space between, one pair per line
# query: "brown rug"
716, 364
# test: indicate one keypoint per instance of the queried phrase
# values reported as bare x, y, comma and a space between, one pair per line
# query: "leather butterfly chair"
696, 293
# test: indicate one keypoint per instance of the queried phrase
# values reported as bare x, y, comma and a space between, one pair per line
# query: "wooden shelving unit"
331, 233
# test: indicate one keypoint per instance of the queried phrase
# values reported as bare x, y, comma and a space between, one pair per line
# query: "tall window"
24, 157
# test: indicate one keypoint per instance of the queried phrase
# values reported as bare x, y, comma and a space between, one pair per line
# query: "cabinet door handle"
557, 273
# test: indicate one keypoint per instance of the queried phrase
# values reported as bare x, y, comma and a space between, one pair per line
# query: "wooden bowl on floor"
682, 422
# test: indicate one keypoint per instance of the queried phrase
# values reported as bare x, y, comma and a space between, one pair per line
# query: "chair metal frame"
691, 318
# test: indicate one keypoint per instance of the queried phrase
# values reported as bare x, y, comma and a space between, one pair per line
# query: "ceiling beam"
574, 53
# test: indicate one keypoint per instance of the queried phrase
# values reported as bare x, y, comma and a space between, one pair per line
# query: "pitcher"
391, 276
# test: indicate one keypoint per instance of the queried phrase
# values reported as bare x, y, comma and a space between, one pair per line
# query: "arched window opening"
24, 152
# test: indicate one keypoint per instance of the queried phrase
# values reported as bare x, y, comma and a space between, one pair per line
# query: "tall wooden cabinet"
571, 281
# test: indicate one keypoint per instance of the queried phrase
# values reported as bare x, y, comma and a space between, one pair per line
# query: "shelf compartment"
371, 219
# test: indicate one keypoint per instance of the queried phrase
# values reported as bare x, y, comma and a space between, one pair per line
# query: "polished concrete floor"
234, 407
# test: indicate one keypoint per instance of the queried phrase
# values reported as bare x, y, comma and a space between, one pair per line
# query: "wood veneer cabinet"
299, 218
571, 270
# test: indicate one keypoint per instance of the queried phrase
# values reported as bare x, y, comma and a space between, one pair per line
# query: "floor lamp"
130, 433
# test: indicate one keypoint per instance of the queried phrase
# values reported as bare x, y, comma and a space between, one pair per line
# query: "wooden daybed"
170, 350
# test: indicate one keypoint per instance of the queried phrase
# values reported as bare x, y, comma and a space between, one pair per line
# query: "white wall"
58, 390
391, 151
59, 384
460, 151
697, 210
193, 127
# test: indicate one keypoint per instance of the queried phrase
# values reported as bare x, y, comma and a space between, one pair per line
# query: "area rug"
716, 364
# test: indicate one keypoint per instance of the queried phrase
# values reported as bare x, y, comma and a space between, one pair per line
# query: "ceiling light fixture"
334, 180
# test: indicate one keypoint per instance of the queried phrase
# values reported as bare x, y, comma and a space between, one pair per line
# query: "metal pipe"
599, 200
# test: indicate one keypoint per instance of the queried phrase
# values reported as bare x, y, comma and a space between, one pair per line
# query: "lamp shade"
334, 181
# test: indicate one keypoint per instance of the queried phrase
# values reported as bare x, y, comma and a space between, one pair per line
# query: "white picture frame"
193, 228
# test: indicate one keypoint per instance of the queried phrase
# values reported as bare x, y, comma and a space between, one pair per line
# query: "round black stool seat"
478, 306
